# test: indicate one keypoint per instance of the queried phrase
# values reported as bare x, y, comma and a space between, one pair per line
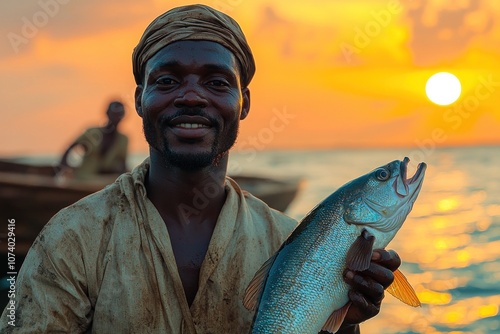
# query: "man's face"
191, 102
115, 114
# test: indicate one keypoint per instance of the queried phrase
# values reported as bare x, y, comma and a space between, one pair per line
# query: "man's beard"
190, 161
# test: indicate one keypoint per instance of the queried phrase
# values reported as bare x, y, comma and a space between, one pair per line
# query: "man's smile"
190, 126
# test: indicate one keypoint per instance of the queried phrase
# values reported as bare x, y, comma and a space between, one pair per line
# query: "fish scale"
298, 289
316, 293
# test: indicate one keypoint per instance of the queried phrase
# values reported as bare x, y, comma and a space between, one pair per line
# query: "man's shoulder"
262, 225
86, 216
123, 136
261, 207
90, 136
94, 130
90, 223
264, 215
98, 203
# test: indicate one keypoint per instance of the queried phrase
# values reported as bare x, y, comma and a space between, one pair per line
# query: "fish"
301, 289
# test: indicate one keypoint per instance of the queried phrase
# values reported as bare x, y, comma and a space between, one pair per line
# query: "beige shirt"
94, 162
105, 265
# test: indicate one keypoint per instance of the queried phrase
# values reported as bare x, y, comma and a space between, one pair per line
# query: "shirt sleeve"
51, 293
91, 138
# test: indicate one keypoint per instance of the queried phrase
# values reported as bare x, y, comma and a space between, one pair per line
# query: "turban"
193, 22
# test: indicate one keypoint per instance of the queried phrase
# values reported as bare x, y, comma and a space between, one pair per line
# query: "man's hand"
367, 288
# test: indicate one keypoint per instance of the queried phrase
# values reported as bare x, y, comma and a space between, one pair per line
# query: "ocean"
449, 244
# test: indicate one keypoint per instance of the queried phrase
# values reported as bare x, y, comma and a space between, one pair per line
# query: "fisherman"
105, 148
171, 246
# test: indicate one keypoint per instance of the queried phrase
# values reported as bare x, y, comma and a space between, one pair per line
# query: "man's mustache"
166, 119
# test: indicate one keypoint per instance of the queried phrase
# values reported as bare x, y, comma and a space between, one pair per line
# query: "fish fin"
256, 285
335, 319
360, 253
402, 290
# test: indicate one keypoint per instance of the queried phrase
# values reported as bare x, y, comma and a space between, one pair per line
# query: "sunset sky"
330, 73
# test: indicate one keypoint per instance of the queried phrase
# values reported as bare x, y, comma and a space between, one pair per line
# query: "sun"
443, 88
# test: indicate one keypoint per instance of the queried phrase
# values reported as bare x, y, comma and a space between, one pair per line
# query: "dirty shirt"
105, 265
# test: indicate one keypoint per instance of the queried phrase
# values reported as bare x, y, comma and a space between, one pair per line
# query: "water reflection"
450, 242
451, 247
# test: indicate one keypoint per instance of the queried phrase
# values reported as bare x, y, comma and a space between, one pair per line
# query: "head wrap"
193, 22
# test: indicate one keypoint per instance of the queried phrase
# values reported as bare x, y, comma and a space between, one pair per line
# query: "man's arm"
64, 159
51, 292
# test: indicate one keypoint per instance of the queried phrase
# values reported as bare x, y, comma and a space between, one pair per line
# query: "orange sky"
330, 73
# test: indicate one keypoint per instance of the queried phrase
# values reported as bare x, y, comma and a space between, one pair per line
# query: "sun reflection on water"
448, 204
434, 297
449, 244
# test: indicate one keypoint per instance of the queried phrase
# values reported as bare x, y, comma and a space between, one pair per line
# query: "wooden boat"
32, 194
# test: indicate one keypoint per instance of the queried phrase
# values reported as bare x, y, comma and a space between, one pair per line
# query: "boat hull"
32, 195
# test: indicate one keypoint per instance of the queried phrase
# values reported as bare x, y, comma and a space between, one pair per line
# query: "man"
145, 255
105, 148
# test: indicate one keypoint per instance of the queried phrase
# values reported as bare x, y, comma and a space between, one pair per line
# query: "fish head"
380, 200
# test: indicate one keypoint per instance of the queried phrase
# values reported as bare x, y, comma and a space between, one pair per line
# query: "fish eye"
382, 174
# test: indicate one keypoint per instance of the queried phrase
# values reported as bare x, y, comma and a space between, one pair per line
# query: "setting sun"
443, 88
326, 67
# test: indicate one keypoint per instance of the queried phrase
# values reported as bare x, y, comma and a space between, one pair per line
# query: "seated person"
105, 148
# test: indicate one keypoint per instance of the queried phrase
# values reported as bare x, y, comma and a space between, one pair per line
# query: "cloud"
24, 21
41, 96
297, 37
443, 30
273, 25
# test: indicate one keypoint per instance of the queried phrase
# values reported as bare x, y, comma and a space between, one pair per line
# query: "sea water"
449, 244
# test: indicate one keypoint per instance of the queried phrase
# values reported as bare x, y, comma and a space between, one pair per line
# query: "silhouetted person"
105, 148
